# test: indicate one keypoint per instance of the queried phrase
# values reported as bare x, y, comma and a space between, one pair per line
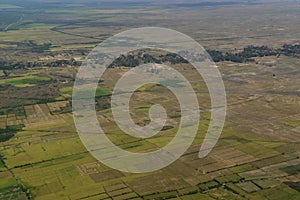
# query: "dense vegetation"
9, 132
134, 59
250, 52
8, 65
246, 55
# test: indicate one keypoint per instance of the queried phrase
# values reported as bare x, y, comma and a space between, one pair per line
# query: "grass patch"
1, 164
209, 185
7, 183
147, 87
292, 170
280, 192
67, 90
241, 168
267, 183
293, 124
144, 108
24, 85
83, 93
173, 83
9, 6
24, 81
165, 195
249, 187
233, 178
196, 197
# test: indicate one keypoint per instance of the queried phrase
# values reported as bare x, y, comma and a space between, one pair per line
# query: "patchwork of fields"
42, 156
46, 159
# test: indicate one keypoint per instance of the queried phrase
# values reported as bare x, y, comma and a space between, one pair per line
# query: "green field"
293, 124
99, 91
24, 81
9, 6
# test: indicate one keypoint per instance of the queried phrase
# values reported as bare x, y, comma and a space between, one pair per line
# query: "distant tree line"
251, 52
291, 50
246, 55
134, 59
8, 65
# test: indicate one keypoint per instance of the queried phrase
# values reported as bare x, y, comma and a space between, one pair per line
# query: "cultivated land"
42, 157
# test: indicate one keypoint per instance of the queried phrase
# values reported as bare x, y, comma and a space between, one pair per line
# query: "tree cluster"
134, 59
291, 50
246, 55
